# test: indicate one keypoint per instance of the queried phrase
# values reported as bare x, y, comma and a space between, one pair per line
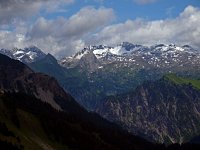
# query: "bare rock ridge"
162, 111
16, 76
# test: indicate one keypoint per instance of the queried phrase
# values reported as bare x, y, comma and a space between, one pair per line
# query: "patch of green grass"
183, 81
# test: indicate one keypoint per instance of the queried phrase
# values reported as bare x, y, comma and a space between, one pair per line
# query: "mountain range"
127, 54
36, 113
166, 110
131, 84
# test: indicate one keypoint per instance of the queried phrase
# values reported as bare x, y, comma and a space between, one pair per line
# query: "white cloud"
185, 29
66, 34
62, 35
15, 10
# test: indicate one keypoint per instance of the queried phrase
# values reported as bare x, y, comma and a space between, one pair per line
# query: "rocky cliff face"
163, 111
89, 62
17, 77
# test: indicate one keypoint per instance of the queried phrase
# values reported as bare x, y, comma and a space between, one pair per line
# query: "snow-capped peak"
100, 51
129, 49
80, 54
26, 55
163, 48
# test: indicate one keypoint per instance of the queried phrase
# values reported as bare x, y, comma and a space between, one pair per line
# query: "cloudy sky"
62, 27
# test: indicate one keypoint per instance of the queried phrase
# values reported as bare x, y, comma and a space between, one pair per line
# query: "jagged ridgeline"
36, 113
97, 73
166, 110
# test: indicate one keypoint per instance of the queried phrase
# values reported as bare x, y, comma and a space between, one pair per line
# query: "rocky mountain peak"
129, 46
26, 55
17, 77
156, 56
89, 61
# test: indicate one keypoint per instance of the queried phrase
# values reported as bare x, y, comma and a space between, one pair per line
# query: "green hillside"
181, 80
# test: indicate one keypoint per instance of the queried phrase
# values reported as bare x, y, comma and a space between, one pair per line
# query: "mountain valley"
52, 120
129, 85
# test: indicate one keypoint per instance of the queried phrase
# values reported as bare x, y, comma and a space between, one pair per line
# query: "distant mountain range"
110, 81
36, 113
127, 54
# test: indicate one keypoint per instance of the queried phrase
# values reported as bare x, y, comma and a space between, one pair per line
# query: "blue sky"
62, 27
128, 9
